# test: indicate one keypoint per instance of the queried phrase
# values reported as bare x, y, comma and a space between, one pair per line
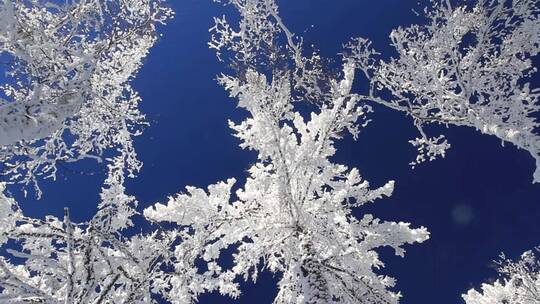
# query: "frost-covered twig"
519, 283
68, 93
467, 65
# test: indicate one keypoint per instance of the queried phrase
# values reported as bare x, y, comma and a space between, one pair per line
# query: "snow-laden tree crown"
468, 66
68, 97
519, 283
97, 261
68, 94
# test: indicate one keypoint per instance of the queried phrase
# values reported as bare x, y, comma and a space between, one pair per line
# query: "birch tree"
67, 94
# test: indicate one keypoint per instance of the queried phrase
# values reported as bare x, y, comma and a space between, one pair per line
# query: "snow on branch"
467, 65
296, 213
519, 283
67, 95
293, 216
100, 261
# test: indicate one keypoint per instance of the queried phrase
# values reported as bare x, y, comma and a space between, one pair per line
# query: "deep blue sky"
189, 143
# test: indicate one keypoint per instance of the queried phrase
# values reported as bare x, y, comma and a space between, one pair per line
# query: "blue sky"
477, 202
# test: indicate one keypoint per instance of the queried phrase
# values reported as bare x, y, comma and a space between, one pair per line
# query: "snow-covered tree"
99, 261
67, 93
519, 283
467, 65
294, 216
